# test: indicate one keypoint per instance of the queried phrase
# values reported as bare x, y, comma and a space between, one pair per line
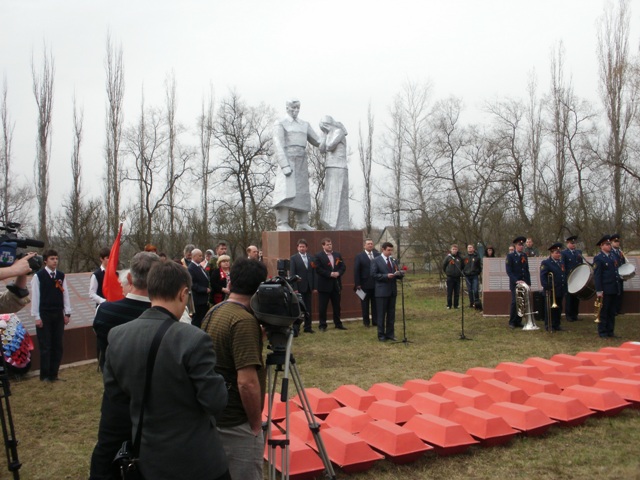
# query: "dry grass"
56, 424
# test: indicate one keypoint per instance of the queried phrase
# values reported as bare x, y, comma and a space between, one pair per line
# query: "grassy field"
56, 423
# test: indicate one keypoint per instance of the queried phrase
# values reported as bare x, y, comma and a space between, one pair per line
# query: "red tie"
389, 265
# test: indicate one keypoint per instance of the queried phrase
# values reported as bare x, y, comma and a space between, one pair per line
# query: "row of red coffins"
453, 411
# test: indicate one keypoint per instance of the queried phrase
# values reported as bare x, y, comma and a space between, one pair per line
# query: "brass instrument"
553, 290
523, 306
598, 307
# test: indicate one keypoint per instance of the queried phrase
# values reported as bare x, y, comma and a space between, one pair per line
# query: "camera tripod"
281, 360
8, 431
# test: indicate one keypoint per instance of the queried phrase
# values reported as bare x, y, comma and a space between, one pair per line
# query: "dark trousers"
386, 307
553, 313
323, 303
369, 300
114, 428
619, 297
306, 298
453, 290
200, 311
50, 343
514, 319
607, 315
571, 306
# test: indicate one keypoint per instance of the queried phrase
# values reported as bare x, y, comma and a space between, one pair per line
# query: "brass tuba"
523, 306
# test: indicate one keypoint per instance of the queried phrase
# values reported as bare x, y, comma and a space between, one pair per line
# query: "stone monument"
335, 204
291, 190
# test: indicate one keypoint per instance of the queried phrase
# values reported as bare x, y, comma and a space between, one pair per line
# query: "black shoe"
614, 336
572, 319
375, 324
340, 327
296, 333
455, 307
512, 327
367, 325
604, 337
322, 328
57, 379
382, 339
393, 339
309, 330
559, 329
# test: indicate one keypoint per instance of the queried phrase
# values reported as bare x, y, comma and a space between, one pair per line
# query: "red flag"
110, 285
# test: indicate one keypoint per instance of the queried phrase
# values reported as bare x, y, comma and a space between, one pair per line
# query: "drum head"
579, 278
627, 271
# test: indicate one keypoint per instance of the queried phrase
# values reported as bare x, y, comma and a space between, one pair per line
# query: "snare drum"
581, 282
627, 271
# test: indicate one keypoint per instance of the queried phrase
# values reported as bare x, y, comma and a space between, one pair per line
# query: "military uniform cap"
605, 238
555, 246
572, 238
615, 236
519, 239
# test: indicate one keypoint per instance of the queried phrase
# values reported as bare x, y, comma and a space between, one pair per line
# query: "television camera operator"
16, 296
14, 263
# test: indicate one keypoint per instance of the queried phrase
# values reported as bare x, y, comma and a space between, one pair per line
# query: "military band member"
553, 281
529, 249
517, 267
616, 252
605, 274
571, 257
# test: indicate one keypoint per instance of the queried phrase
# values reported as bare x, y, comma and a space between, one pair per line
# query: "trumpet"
553, 290
598, 307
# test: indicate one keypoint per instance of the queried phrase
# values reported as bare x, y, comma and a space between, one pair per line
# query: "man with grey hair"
115, 422
188, 250
291, 190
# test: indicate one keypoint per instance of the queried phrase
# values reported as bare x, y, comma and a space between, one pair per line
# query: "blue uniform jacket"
518, 268
549, 265
571, 259
605, 273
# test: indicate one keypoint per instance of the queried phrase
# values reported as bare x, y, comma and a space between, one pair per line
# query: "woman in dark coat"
219, 279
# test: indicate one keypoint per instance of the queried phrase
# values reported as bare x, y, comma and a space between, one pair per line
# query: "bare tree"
171, 106
619, 95
243, 136
114, 123
43, 93
147, 144
365, 150
14, 197
205, 131
317, 164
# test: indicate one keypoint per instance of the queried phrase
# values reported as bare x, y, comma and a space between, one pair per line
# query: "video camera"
276, 304
10, 242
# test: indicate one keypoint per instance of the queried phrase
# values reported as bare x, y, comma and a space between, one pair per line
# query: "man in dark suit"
517, 267
300, 265
115, 423
385, 271
179, 436
329, 267
200, 288
571, 257
606, 277
363, 280
554, 282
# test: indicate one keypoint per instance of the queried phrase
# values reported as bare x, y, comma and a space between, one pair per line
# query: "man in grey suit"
179, 437
300, 265
385, 271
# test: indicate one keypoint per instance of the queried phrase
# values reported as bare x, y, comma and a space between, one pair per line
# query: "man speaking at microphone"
384, 269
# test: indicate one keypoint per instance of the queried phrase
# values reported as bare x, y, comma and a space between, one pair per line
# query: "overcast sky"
335, 56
